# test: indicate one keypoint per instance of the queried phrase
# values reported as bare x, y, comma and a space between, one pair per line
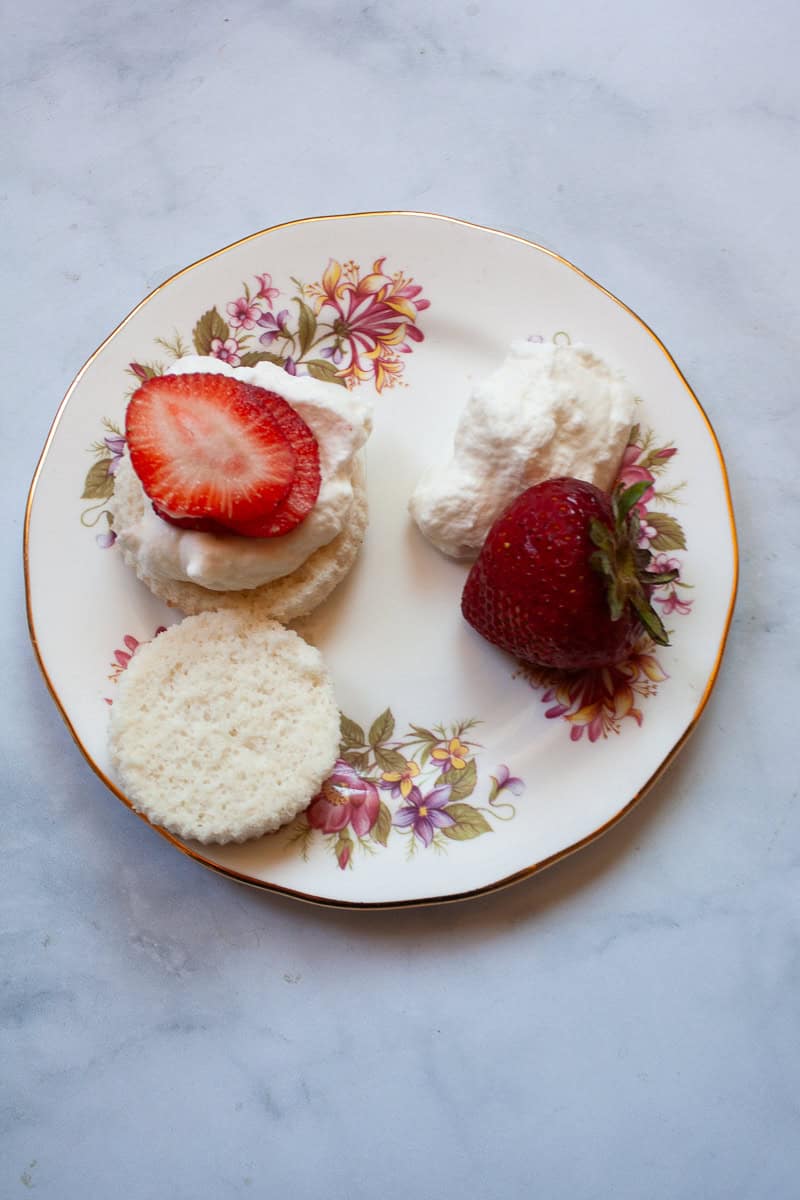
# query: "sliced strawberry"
199, 524
202, 446
302, 495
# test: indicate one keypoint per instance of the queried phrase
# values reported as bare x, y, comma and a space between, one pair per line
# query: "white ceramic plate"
492, 772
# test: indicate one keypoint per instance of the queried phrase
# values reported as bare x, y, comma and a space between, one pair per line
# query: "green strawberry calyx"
624, 564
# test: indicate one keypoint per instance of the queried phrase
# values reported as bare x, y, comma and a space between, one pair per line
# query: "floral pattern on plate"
414, 788
348, 328
98, 486
124, 653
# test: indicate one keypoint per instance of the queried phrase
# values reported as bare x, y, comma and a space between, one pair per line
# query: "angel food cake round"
224, 727
243, 487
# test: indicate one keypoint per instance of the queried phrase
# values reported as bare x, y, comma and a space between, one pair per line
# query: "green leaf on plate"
469, 823
381, 728
462, 783
210, 326
358, 759
390, 760
318, 368
307, 326
351, 733
98, 485
383, 826
251, 357
669, 535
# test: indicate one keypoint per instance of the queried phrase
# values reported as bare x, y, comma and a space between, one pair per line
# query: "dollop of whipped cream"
340, 420
546, 411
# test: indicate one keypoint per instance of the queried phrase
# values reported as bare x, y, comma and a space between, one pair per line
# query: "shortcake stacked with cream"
241, 489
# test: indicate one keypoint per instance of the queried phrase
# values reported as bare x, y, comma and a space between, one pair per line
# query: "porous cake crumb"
224, 727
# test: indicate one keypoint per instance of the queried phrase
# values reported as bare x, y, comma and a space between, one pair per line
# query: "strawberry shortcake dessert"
241, 487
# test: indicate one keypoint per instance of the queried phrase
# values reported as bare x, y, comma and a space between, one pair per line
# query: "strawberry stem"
624, 563
651, 621
623, 500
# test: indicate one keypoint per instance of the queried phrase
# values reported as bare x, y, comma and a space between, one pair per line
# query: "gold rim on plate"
517, 876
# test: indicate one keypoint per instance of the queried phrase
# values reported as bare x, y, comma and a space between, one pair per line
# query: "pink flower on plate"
265, 289
596, 702
227, 351
670, 601
373, 318
646, 534
242, 313
345, 799
123, 657
630, 473
662, 563
343, 855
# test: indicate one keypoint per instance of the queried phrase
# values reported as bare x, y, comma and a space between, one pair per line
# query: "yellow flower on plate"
403, 780
454, 755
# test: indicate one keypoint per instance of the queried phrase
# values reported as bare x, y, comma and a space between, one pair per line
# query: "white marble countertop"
622, 1025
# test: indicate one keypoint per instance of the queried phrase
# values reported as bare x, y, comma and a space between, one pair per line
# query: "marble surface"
623, 1025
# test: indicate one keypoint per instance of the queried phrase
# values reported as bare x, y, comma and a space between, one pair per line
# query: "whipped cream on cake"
340, 421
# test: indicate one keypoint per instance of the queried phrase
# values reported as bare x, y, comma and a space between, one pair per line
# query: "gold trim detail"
525, 872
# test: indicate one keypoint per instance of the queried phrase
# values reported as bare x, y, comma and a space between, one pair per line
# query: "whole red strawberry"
560, 580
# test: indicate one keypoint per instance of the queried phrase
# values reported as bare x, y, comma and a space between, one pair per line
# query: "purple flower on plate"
272, 324
106, 540
334, 353
116, 447
425, 814
502, 781
290, 366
